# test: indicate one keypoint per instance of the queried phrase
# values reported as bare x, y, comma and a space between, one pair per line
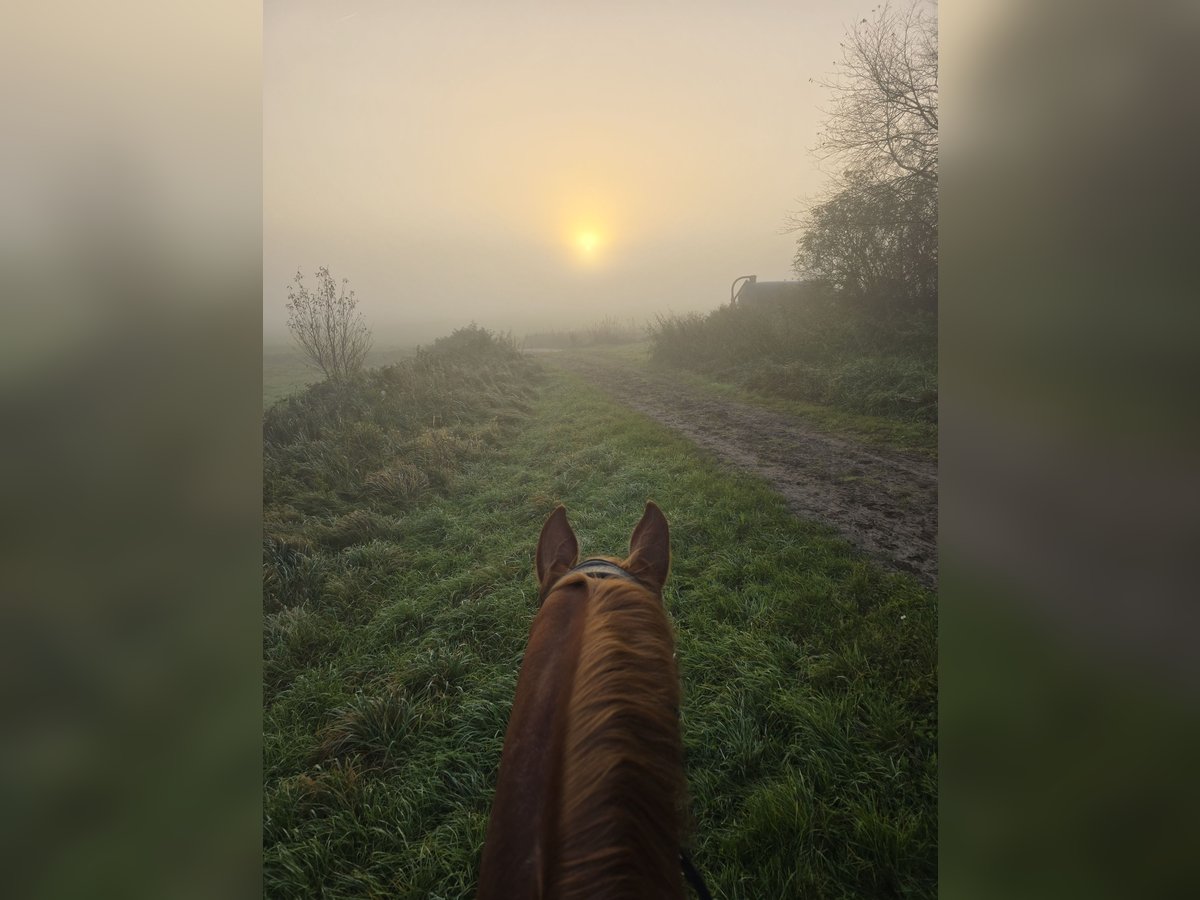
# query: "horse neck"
589, 801
622, 787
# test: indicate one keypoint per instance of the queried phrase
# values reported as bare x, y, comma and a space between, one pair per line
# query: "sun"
587, 242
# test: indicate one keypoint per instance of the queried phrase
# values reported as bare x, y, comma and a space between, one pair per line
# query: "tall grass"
817, 351
340, 461
391, 433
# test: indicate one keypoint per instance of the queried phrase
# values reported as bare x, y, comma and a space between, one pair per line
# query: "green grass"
394, 632
919, 438
821, 351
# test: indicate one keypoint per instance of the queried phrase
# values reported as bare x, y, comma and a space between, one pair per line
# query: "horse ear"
557, 549
650, 549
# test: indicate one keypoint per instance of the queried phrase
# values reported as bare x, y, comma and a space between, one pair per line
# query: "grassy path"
882, 501
916, 439
809, 674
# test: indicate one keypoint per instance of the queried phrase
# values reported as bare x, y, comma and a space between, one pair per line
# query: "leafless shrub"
327, 325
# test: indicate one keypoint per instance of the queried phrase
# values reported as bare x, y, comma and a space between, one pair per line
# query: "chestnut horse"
591, 793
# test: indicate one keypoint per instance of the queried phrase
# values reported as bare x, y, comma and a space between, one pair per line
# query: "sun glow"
588, 242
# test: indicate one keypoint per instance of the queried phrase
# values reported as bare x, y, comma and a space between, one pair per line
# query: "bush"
818, 351
327, 326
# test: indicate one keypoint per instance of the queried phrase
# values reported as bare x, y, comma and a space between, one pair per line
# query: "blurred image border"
130, 389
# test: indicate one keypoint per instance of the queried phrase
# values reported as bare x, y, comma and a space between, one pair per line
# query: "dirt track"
884, 502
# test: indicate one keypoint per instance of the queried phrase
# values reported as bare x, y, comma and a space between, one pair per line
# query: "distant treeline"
608, 331
881, 363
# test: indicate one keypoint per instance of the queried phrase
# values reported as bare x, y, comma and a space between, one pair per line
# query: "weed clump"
373, 729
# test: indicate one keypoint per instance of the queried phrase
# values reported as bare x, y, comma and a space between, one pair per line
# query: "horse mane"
622, 790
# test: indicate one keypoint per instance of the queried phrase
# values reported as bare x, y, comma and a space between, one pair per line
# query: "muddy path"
883, 502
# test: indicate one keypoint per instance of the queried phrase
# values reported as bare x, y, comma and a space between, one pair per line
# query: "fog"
529, 165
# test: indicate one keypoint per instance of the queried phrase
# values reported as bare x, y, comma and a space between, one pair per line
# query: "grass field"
285, 370
395, 621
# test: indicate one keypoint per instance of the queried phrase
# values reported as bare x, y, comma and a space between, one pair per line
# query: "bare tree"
884, 120
875, 236
327, 325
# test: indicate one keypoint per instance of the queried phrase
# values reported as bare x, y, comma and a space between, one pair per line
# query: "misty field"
400, 520
285, 370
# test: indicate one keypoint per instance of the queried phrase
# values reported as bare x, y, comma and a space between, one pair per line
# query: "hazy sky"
532, 164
